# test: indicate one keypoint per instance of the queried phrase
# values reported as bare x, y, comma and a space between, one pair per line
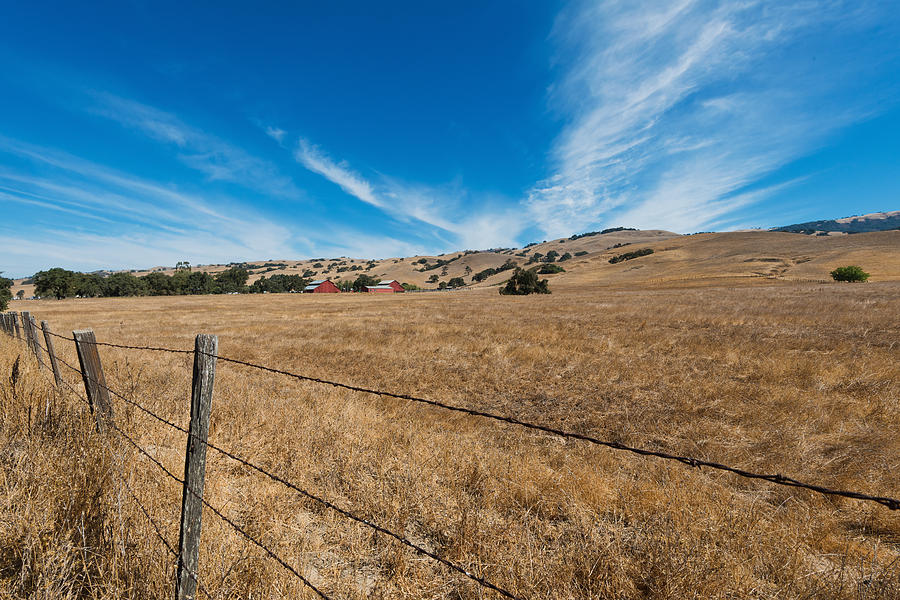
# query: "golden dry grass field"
796, 378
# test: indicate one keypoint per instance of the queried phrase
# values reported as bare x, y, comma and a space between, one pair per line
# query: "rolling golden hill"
676, 258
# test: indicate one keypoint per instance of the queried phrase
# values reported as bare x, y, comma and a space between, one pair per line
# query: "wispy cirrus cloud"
674, 108
339, 172
276, 133
218, 159
447, 208
120, 220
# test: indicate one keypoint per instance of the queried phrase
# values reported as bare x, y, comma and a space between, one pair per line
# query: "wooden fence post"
26, 327
35, 343
4, 320
48, 339
205, 350
94, 381
15, 320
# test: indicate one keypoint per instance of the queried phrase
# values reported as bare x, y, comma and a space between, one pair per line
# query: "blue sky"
135, 134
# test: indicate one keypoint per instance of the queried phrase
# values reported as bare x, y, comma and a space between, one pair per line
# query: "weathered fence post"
7, 324
15, 320
205, 350
26, 328
94, 381
48, 339
35, 343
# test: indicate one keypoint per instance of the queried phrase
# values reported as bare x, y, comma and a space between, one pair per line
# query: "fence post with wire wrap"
94, 381
205, 351
51, 351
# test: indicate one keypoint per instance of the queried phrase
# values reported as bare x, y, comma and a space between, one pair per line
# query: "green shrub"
630, 255
550, 269
364, 281
578, 236
524, 282
849, 273
482, 275
5, 292
581, 253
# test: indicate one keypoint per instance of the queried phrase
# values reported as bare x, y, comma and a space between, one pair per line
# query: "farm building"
321, 286
385, 287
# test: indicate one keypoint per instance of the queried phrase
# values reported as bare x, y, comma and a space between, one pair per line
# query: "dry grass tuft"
800, 379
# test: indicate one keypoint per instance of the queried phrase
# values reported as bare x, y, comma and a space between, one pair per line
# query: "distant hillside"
478, 268
594, 258
883, 221
749, 256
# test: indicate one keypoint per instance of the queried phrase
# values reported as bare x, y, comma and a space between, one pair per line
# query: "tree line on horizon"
62, 283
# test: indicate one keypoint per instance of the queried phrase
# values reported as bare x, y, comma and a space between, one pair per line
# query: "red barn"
385, 287
393, 283
321, 286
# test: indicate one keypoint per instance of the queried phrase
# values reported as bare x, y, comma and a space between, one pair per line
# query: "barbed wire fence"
205, 355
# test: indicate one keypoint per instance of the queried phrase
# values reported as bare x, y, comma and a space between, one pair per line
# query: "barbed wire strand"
205, 503
141, 506
890, 503
344, 512
123, 346
162, 538
156, 528
219, 514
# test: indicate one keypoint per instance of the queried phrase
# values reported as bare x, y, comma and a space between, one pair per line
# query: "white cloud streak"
675, 107
276, 134
313, 158
212, 156
442, 207
151, 222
